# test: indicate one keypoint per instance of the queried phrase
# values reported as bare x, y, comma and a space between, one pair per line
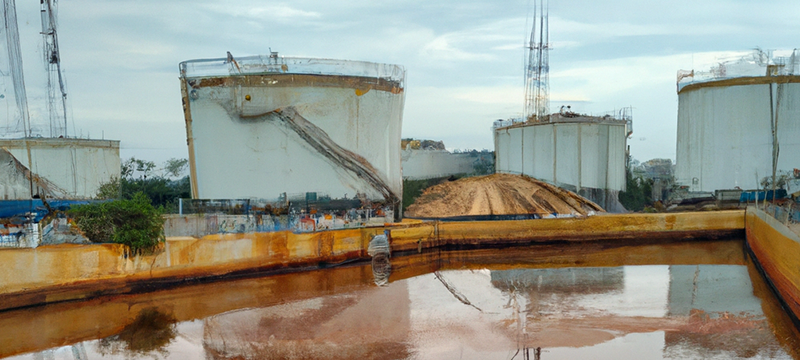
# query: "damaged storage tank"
270, 127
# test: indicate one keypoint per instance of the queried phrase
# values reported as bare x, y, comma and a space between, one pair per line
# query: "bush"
133, 222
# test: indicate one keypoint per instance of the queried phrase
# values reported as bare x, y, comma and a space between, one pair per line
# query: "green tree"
134, 222
143, 176
638, 193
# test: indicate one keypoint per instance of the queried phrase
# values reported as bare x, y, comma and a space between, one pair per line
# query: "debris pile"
498, 194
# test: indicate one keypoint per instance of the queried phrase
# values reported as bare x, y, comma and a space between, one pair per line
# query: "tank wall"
77, 166
725, 135
240, 151
429, 164
590, 155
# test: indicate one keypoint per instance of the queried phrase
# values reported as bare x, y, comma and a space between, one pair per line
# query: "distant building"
428, 159
661, 172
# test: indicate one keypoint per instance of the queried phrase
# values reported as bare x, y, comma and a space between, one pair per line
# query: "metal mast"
537, 71
52, 63
15, 63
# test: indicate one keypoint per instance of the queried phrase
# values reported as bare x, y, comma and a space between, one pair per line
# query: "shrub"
134, 222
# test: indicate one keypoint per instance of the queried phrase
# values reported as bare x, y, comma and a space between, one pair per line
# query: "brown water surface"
701, 300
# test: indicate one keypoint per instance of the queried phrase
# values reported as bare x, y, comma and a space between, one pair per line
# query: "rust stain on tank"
300, 80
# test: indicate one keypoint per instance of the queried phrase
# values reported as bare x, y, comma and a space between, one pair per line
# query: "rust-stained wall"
68, 272
777, 251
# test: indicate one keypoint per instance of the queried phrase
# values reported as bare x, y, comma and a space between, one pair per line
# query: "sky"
464, 59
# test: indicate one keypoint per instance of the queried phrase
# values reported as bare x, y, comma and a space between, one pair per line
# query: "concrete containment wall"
242, 144
70, 272
76, 167
575, 154
777, 252
725, 131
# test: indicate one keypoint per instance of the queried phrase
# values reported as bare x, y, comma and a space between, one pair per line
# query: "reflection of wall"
712, 289
566, 280
347, 326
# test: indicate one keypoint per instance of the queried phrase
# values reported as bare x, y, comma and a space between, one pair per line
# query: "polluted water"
673, 300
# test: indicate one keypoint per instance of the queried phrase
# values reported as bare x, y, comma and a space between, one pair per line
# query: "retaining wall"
777, 251
71, 272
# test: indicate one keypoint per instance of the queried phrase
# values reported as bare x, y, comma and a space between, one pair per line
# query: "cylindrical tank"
725, 131
63, 168
265, 126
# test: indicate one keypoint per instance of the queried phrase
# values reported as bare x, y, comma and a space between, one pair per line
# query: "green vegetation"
140, 176
134, 222
638, 195
414, 188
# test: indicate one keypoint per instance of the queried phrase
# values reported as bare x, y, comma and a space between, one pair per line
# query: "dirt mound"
498, 194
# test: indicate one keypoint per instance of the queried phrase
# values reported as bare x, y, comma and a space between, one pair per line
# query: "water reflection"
151, 331
469, 304
381, 269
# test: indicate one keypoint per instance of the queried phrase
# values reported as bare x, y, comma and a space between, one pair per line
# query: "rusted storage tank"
265, 126
726, 119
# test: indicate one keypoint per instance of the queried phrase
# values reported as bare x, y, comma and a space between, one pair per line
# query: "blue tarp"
751, 196
19, 208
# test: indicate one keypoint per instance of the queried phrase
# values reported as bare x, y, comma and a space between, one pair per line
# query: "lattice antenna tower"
537, 71
56, 88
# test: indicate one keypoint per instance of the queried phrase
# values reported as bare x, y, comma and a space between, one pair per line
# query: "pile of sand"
498, 194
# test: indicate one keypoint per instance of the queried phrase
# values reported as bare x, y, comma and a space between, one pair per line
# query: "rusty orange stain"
58, 273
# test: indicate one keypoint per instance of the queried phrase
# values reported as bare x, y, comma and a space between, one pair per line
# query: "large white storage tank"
71, 168
265, 126
585, 154
726, 119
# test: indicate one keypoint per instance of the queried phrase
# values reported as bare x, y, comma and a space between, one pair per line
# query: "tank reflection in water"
647, 302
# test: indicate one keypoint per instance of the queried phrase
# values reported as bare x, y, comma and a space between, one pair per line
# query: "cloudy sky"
464, 59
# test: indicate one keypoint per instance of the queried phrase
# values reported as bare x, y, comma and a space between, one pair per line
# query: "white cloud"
262, 12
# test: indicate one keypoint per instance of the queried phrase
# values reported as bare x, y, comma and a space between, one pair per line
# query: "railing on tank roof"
756, 63
274, 64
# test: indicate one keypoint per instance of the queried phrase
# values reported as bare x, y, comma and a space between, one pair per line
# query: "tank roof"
274, 64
